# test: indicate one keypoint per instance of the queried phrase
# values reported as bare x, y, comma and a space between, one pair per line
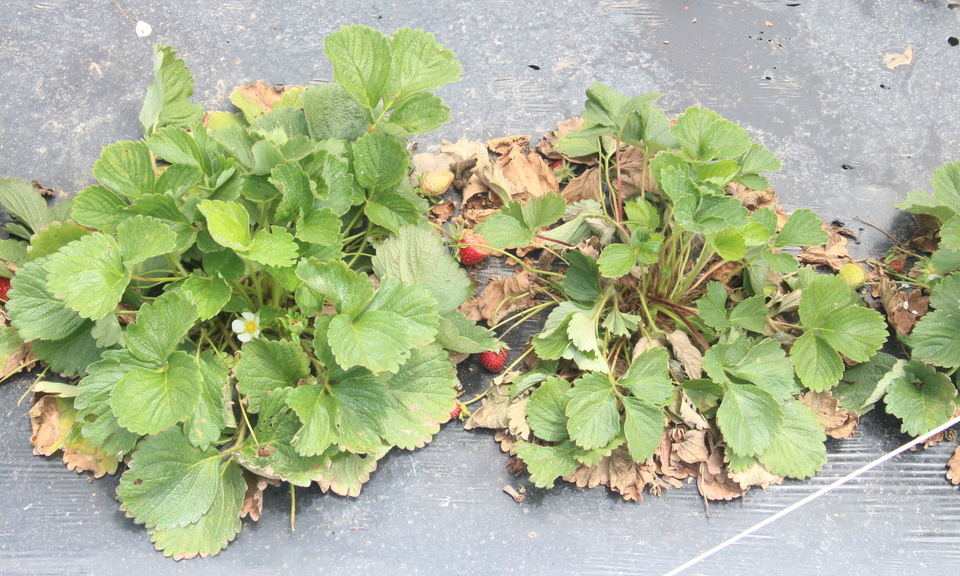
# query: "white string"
812, 497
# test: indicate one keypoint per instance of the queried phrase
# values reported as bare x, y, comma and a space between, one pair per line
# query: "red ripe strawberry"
4, 288
494, 361
896, 265
456, 412
472, 254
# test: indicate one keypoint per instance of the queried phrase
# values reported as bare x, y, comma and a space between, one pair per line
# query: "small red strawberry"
470, 255
4, 288
896, 265
456, 412
494, 361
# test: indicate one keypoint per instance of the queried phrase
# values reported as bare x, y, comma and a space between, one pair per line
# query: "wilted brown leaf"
591, 476
634, 178
755, 475
253, 499
443, 211
837, 422
263, 95
529, 176
692, 449
689, 355
903, 309
503, 144
834, 253
43, 190
953, 467
717, 485
517, 418
502, 297
584, 187
85, 457
49, 425
492, 412
21, 358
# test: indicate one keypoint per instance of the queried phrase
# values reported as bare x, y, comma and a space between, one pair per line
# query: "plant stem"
293, 507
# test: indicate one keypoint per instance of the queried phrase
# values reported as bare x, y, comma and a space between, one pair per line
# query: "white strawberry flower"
248, 327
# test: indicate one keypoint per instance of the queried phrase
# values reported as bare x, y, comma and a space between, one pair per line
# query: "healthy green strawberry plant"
920, 389
679, 316
248, 296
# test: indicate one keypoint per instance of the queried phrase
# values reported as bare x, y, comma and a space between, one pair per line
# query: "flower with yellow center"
248, 327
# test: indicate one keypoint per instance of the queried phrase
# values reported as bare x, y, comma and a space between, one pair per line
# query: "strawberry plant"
682, 338
247, 298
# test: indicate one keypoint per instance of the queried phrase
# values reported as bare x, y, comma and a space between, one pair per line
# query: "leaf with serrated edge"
267, 365
348, 472
169, 484
361, 62
160, 327
378, 340
546, 410
817, 364
593, 416
125, 168
349, 291
413, 303
273, 247
34, 311
318, 412
379, 161
801, 229
228, 223
203, 427
362, 404
750, 418
71, 355
150, 401
936, 338
21, 200
547, 463
142, 237
88, 275
648, 377
422, 395
216, 528
456, 333
52, 238
763, 363
643, 427
419, 64
798, 450
923, 399
209, 295
167, 102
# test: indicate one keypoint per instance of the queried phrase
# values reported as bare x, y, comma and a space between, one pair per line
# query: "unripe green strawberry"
853, 275
436, 183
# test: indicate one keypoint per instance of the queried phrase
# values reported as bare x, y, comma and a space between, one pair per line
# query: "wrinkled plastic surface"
804, 77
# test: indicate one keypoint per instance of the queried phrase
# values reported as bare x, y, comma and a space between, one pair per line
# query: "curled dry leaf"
834, 253
253, 499
692, 448
634, 179
755, 475
591, 476
689, 355
504, 144
903, 309
517, 418
19, 358
264, 95
49, 426
529, 176
953, 467
713, 481
493, 410
443, 211
502, 297
584, 187
837, 422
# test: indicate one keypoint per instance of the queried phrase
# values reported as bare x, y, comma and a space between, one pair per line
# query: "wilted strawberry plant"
682, 337
247, 298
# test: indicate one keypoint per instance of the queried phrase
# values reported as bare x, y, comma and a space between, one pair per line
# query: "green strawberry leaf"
204, 426
422, 395
148, 401
349, 291
946, 185
592, 413
143, 237
51, 239
160, 327
414, 304
318, 411
391, 210
616, 260
376, 339
456, 333
798, 451
420, 114
209, 295
331, 112
764, 364
22, 201
34, 311
266, 365
864, 384
419, 64
922, 398
582, 280
168, 98
228, 223
361, 62
817, 364
71, 355
177, 146
936, 338
750, 418
348, 472
546, 410
88, 275
643, 427
273, 247
547, 463
295, 187
362, 402
319, 227
648, 378
170, 483
380, 162
126, 169
803, 228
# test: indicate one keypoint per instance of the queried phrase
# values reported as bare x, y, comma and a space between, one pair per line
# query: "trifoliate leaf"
546, 410
160, 327
125, 168
143, 237
420, 114
228, 223
414, 304
380, 161
34, 311
266, 365
456, 333
362, 404
751, 314
167, 102
274, 456
593, 417
331, 113
801, 229
417, 256
705, 136
924, 398
422, 394
750, 418
547, 463
817, 364
391, 210
361, 62
648, 377
319, 227
148, 401
582, 280
216, 528
52, 238
419, 64
318, 411
88, 275
170, 484
621, 324
506, 228
273, 247
22, 201
764, 364
616, 260
209, 295
209, 418
349, 291
798, 450
70, 355
377, 339
643, 427
864, 384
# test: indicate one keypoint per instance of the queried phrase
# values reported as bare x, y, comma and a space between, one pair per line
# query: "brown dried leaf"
689, 355
517, 418
834, 253
253, 499
529, 176
16, 361
493, 305
584, 187
49, 425
502, 145
717, 486
692, 449
837, 422
443, 211
89, 458
755, 475
43, 190
263, 95
891, 61
754, 200
635, 179
591, 476
493, 409
463, 172
903, 310
953, 467
623, 475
